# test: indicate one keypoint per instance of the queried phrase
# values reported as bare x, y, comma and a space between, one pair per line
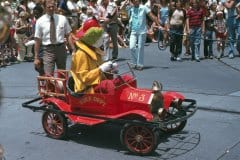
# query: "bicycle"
163, 42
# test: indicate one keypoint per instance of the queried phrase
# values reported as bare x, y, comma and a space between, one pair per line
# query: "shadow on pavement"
178, 144
151, 67
108, 137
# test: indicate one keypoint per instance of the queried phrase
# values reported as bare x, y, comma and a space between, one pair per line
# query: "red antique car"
142, 113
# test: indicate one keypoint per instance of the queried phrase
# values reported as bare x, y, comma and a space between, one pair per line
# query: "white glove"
106, 66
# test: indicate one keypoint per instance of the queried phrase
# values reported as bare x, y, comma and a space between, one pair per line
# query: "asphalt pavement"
213, 83
226, 103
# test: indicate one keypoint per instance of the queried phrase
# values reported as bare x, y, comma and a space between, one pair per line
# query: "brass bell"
156, 86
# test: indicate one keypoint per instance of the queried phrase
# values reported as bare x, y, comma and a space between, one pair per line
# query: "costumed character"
87, 68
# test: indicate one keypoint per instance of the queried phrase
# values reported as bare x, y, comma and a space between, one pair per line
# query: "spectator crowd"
181, 23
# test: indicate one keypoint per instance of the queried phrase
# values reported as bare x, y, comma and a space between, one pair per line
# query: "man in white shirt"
54, 51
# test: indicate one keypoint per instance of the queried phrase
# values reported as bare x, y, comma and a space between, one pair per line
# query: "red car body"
141, 111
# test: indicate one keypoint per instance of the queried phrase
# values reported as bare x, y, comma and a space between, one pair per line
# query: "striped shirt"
195, 17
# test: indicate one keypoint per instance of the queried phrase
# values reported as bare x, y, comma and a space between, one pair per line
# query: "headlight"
160, 111
177, 102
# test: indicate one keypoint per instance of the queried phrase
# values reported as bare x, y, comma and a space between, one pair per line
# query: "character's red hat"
86, 25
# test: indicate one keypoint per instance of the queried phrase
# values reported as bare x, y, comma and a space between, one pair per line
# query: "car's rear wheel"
139, 139
172, 113
54, 124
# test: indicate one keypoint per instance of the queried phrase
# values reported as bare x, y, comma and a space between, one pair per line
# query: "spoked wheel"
139, 139
172, 113
54, 124
162, 45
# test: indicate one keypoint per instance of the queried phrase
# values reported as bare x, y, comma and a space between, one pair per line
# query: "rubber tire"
179, 127
154, 133
62, 122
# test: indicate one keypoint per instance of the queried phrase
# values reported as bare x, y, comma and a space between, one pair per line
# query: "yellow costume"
84, 69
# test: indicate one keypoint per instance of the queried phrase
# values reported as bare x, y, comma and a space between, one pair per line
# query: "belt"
176, 26
53, 45
112, 23
193, 27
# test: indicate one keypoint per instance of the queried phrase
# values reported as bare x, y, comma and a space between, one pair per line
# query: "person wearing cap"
220, 32
87, 67
54, 49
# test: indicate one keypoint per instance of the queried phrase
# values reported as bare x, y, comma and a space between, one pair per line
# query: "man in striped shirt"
195, 27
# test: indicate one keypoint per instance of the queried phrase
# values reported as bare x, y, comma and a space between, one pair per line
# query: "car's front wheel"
171, 114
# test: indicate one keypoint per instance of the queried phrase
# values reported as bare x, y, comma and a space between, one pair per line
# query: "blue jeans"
231, 35
136, 46
208, 43
195, 41
176, 41
238, 34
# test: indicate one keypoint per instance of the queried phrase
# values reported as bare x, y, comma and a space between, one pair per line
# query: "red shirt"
195, 17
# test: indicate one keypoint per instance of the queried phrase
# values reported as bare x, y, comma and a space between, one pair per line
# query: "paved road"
214, 84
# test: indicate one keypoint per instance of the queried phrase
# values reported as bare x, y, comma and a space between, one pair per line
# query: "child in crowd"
221, 32
209, 29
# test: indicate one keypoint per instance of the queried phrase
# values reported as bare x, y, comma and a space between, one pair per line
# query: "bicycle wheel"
161, 44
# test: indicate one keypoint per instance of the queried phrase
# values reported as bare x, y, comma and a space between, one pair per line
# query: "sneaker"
211, 57
197, 60
114, 59
172, 58
231, 56
139, 68
161, 45
179, 59
220, 56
